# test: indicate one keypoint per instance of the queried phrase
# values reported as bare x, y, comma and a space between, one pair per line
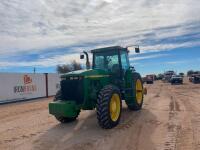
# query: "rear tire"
136, 104
107, 116
62, 119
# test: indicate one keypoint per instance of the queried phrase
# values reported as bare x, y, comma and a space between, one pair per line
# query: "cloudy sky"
45, 33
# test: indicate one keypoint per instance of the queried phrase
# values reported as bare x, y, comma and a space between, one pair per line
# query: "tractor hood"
87, 73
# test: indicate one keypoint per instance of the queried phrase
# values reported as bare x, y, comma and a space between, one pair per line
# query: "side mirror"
82, 56
137, 50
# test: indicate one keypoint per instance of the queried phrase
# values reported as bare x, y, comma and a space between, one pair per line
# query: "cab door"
125, 65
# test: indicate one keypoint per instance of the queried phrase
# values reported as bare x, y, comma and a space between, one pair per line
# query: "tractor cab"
113, 60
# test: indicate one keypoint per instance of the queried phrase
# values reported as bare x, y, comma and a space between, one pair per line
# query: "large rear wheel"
62, 119
137, 95
109, 107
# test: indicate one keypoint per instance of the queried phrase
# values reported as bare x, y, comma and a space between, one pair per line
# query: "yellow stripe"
97, 76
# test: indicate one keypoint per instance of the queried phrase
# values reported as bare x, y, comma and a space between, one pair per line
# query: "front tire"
109, 107
62, 119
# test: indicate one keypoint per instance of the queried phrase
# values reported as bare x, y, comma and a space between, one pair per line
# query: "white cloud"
49, 62
176, 62
34, 26
169, 46
148, 57
182, 61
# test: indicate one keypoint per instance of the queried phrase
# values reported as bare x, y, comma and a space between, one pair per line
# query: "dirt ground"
169, 120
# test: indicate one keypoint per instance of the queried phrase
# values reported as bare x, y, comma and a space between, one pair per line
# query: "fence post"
46, 80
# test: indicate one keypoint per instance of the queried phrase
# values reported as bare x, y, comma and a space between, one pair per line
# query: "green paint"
128, 85
85, 73
93, 81
63, 108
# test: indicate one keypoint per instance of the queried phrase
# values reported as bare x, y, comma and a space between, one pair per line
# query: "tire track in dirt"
95, 144
130, 134
21, 137
174, 125
185, 136
191, 132
196, 130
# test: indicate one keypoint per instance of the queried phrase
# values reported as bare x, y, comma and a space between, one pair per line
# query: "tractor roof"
108, 49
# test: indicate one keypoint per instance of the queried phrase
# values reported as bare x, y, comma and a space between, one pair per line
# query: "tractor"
103, 86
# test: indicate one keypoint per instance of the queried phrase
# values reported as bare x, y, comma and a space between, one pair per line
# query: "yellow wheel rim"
115, 107
139, 91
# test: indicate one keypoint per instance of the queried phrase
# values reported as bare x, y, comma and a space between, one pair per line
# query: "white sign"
18, 86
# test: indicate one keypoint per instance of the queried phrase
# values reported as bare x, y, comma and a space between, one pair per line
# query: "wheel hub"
139, 91
114, 107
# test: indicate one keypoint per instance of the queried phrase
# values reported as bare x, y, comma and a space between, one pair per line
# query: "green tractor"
103, 87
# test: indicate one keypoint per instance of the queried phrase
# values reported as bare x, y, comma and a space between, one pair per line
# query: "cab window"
124, 60
107, 60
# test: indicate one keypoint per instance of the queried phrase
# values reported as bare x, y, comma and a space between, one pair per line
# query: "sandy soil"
170, 119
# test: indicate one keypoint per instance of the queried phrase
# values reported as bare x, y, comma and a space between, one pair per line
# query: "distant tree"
68, 67
75, 65
160, 76
63, 68
190, 72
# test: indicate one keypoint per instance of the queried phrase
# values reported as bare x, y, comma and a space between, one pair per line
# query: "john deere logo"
27, 79
28, 86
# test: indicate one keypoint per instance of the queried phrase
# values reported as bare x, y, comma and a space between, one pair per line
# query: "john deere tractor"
103, 88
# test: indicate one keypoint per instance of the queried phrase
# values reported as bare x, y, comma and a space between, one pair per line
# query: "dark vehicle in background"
176, 79
168, 75
149, 79
196, 79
